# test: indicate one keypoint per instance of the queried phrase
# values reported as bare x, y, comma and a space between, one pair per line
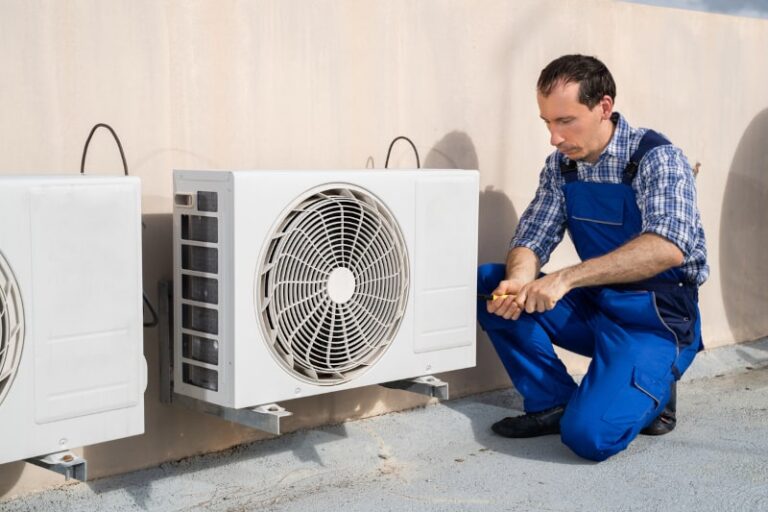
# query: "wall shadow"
744, 235
497, 223
10, 473
454, 151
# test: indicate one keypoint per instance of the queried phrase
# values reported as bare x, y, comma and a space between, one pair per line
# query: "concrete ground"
444, 458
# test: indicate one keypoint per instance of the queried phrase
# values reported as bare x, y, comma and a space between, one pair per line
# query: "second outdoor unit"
293, 283
72, 369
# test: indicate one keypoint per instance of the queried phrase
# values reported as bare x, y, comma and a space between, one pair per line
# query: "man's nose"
554, 138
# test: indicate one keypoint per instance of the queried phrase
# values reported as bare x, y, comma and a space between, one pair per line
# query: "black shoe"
666, 421
531, 424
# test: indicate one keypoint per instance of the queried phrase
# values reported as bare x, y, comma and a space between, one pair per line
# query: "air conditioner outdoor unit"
289, 284
72, 370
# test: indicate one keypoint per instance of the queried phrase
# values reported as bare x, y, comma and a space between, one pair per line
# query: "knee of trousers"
489, 275
587, 436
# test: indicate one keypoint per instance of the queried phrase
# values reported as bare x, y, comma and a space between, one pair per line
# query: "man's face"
576, 130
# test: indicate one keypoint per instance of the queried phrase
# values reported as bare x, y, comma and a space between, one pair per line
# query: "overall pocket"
598, 220
587, 206
637, 399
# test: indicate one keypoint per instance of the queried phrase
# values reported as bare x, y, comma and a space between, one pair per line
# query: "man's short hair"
594, 79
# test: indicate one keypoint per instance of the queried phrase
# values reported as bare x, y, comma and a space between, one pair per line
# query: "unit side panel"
86, 261
446, 260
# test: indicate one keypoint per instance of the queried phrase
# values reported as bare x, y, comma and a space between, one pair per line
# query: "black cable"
155, 320
418, 162
88, 141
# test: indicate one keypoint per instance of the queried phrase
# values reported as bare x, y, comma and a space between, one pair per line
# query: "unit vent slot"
184, 200
200, 377
199, 228
200, 259
201, 289
207, 201
200, 349
200, 319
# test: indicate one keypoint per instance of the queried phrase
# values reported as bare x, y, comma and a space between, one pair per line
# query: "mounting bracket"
427, 385
65, 463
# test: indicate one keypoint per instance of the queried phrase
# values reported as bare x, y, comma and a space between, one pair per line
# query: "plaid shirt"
664, 188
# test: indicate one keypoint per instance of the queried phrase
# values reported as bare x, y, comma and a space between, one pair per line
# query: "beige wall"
327, 84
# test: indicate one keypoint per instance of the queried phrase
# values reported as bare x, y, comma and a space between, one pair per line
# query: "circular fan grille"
333, 284
11, 327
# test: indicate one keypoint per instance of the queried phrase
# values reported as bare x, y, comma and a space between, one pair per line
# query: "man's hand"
539, 295
542, 294
506, 307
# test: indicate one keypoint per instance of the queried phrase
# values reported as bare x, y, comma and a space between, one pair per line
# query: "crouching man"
627, 198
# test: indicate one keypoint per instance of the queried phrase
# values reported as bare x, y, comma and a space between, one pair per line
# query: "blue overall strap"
568, 169
650, 140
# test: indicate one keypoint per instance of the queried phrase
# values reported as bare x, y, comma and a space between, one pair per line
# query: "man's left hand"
543, 293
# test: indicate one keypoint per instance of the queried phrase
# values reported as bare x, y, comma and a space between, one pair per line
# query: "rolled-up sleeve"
668, 198
542, 224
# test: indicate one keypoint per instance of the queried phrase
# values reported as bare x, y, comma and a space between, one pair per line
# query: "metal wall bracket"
427, 385
264, 417
65, 463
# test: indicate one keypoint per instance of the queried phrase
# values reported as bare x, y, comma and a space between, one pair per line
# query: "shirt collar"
618, 146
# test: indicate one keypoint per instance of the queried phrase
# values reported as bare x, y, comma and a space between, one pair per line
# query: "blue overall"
640, 336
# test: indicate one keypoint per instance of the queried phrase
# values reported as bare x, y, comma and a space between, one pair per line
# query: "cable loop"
88, 141
418, 162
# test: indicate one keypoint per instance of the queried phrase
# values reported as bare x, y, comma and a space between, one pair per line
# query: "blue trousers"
639, 342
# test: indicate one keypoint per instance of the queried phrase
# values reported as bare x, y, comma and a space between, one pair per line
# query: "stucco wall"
327, 84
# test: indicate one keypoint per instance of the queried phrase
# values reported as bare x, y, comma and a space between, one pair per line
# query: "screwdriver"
489, 296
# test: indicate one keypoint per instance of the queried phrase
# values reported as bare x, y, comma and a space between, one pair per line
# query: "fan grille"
333, 284
11, 327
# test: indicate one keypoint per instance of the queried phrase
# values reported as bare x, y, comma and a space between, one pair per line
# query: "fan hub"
341, 285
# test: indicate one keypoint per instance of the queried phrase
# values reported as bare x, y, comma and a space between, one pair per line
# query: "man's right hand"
506, 307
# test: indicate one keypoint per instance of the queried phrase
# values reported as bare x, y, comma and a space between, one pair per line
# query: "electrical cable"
88, 141
155, 319
418, 162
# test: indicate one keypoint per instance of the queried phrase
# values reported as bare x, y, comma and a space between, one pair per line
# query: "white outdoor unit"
72, 370
294, 283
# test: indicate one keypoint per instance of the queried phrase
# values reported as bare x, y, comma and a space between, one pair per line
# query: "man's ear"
606, 107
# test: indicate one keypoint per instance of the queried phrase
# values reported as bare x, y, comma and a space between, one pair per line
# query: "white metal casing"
73, 244
437, 212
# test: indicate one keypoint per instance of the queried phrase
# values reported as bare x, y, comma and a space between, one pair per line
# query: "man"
628, 200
